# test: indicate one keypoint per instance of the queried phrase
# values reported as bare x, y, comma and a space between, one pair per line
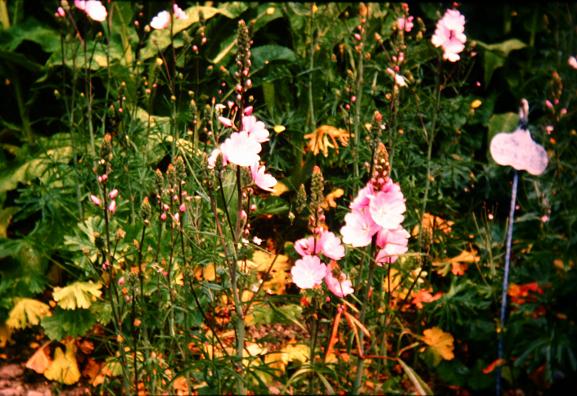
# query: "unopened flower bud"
112, 206
95, 200
182, 208
113, 194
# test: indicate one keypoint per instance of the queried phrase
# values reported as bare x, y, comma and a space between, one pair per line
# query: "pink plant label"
519, 150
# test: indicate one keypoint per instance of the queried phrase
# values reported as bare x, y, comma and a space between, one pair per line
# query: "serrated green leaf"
64, 323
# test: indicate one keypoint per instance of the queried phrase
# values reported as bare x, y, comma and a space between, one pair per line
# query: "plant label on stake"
518, 150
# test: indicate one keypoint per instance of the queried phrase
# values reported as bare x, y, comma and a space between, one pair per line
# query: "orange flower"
319, 139
425, 296
521, 294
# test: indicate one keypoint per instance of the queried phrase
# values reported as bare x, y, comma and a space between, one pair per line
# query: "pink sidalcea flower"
262, 179
387, 207
449, 34
572, 61
179, 13
331, 246
255, 128
359, 228
93, 8
340, 285
392, 243
307, 246
241, 149
161, 20
308, 272
405, 24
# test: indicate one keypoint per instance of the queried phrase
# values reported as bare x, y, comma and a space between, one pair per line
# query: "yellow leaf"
64, 368
279, 189
440, 342
40, 361
458, 264
27, 312
298, 352
5, 335
432, 223
273, 269
77, 295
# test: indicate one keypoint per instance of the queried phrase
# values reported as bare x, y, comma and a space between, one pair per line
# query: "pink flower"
359, 228
161, 20
262, 179
399, 80
225, 121
307, 246
449, 35
255, 128
405, 24
340, 286
572, 62
179, 13
392, 243
308, 272
60, 13
112, 206
387, 207
213, 156
362, 200
331, 246
241, 149
113, 194
93, 8
95, 200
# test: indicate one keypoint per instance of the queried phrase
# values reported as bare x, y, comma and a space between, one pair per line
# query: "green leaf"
420, 386
264, 54
495, 55
30, 30
506, 122
64, 323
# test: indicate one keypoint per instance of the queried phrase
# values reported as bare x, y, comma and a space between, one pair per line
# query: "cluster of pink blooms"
112, 204
449, 34
242, 148
162, 19
93, 8
380, 212
309, 271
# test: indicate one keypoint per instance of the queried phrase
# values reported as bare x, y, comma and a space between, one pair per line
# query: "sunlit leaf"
440, 342
273, 270
5, 335
64, 367
279, 189
77, 295
27, 312
40, 360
